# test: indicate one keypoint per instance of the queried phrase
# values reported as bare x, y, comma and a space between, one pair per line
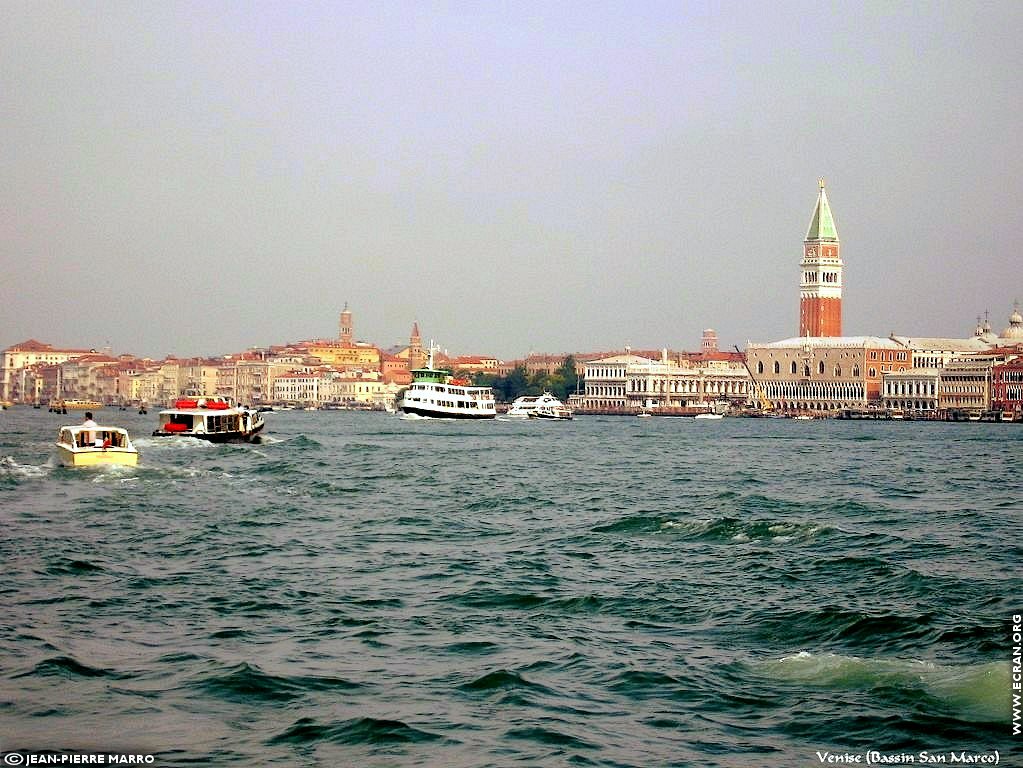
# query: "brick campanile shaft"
820, 289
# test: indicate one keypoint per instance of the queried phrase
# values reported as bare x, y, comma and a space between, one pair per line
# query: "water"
363, 590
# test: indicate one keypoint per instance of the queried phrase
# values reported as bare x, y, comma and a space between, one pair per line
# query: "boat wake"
11, 468
174, 444
414, 417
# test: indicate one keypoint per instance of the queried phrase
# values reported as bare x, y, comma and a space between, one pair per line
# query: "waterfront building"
607, 381
929, 352
15, 359
297, 387
682, 384
1007, 387
81, 378
635, 382
965, 385
820, 288
913, 390
709, 342
197, 377
247, 378
825, 374
395, 369
469, 364
367, 390
359, 356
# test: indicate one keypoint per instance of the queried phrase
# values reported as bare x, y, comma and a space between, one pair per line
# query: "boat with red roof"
209, 418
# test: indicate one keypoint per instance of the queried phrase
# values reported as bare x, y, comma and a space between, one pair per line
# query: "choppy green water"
363, 590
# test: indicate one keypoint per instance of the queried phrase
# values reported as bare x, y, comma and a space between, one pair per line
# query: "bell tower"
820, 290
416, 356
345, 327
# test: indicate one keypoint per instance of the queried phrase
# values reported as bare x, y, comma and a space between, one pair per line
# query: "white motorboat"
523, 407
436, 394
555, 412
81, 446
709, 415
209, 418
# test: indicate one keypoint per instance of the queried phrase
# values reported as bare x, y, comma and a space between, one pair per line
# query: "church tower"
416, 358
345, 327
820, 290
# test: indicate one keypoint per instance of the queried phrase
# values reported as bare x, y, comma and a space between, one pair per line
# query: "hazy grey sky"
197, 178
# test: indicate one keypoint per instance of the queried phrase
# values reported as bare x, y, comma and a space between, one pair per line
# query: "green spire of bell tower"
822, 225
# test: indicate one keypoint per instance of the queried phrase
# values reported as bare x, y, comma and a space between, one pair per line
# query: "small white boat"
80, 446
554, 412
523, 407
643, 415
802, 417
209, 418
709, 415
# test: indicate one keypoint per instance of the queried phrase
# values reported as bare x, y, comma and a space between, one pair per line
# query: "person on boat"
92, 438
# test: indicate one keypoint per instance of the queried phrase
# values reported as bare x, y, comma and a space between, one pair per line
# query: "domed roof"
1015, 329
984, 332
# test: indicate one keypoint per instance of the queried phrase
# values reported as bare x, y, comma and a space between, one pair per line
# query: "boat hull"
110, 457
216, 437
446, 414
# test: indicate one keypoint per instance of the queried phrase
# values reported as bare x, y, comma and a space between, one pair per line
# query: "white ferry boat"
435, 393
523, 407
81, 446
209, 418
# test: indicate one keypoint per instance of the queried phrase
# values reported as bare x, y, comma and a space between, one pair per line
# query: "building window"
820, 367
792, 368
760, 366
856, 372
777, 367
838, 371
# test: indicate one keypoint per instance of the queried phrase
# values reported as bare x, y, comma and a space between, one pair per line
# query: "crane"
758, 391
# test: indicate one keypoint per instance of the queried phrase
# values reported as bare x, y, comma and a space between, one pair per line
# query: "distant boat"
81, 446
709, 416
75, 404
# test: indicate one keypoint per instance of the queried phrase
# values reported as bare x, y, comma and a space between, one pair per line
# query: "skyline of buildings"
818, 370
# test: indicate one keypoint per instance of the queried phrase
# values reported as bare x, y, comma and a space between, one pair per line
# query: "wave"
501, 679
363, 730
549, 737
68, 567
976, 693
249, 684
67, 666
722, 529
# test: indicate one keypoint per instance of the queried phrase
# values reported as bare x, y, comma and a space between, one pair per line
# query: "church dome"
1015, 329
984, 332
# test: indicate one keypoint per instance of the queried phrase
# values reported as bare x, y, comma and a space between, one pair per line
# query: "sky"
200, 178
